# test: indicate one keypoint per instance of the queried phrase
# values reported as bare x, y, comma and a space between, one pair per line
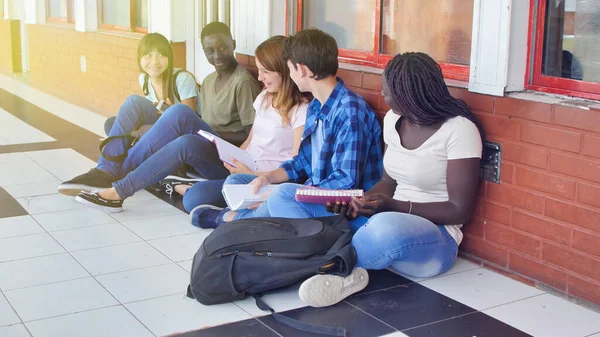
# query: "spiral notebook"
227, 151
243, 196
313, 195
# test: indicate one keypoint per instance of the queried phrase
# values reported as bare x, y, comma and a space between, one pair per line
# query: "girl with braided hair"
411, 220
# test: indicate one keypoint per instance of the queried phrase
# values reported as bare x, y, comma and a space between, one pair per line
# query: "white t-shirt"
186, 86
273, 143
420, 174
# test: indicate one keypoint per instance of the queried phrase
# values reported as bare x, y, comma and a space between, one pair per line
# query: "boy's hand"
260, 182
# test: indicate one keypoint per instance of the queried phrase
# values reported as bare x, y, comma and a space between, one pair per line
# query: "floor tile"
59, 299
54, 161
182, 247
177, 313
343, 315
49, 203
162, 227
39, 270
7, 314
39, 175
120, 258
459, 266
146, 283
24, 247
187, 265
396, 334
19, 226
408, 306
95, 237
142, 195
74, 218
549, 316
113, 321
280, 300
246, 328
144, 210
9, 207
383, 279
481, 288
11, 159
17, 330
15, 131
67, 111
32, 189
476, 324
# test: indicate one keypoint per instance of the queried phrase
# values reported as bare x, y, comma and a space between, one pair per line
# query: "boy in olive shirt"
226, 96
228, 93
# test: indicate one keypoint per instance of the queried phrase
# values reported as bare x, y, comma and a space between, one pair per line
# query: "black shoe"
96, 201
94, 180
168, 184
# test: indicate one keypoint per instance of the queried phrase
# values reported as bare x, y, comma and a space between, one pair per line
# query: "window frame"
535, 80
131, 28
70, 19
375, 58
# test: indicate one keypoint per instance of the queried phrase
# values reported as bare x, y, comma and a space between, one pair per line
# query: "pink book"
321, 196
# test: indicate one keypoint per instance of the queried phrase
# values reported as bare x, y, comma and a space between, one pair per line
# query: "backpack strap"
145, 90
302, 326
175, 89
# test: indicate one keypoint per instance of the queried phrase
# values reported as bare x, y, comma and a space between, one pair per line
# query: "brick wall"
10, 46
112, 70
541, 224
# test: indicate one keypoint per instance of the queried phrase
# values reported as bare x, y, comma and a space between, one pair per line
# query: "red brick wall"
542, 222
112, 70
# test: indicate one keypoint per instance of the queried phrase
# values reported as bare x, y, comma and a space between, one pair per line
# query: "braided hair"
417, 86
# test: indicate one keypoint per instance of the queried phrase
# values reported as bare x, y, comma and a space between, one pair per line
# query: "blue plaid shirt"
351, 153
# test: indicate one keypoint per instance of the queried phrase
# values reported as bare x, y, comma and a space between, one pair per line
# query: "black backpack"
253, 256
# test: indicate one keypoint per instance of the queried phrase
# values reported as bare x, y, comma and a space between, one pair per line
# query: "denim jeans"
191, 149
262, 211
136, 111
410, 244
204, 193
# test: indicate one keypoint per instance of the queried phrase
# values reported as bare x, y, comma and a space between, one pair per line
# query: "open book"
242, 196
321, 196
227, 151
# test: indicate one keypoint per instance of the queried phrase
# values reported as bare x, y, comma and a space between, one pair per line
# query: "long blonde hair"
288, 96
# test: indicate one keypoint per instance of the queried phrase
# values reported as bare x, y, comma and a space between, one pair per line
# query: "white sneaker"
325, 290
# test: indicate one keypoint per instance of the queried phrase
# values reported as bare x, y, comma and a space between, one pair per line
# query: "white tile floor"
68, 270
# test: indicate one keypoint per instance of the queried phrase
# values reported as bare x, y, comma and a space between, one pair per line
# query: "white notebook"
227, 151
243, 196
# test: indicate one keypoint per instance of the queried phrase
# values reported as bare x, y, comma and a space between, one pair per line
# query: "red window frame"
375, 58
535, 80
70, 13
130, 28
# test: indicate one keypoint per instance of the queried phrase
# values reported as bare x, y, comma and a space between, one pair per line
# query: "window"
127, 15
565, 50
60, 11
371, 32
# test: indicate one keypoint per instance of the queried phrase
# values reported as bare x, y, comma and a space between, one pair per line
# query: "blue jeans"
410, 244
191, 149
136, 111
204, 193
262, 211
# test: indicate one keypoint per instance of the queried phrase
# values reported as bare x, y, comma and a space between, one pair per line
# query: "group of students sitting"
305, 128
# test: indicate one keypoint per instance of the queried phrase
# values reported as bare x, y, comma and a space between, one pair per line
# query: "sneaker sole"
104, 208
187, 180
74, 189
191, 215
325, 290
